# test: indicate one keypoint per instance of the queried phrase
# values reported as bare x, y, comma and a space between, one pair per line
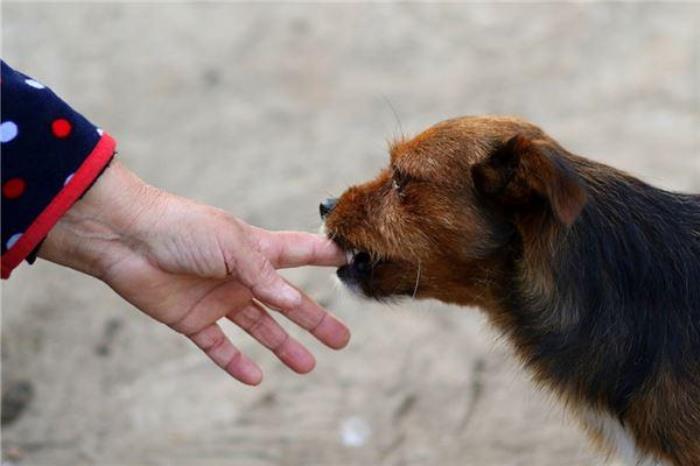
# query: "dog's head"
437, 222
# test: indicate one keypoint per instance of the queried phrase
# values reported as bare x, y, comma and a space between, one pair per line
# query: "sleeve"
50, 156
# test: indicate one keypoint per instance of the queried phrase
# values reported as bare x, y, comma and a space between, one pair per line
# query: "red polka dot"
61, 127
13, 188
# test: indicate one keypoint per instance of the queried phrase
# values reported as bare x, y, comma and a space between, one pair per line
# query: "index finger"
323, 325
286, 249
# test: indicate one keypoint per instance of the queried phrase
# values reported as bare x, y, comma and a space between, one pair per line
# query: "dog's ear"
522, 171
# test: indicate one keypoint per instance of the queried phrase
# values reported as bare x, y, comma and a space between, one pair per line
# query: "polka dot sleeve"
50, 156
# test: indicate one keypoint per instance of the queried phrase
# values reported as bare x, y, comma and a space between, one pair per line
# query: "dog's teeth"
350, 255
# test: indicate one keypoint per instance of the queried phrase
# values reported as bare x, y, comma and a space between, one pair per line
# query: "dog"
592, 274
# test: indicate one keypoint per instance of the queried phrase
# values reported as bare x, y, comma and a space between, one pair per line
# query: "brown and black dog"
592, 274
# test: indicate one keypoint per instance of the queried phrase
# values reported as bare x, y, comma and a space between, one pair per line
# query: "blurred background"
265, 109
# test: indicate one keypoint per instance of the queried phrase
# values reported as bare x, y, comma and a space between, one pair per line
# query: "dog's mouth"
360, 265
362, 260
374, 275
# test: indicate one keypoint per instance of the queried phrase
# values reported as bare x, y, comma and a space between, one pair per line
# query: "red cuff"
71, 192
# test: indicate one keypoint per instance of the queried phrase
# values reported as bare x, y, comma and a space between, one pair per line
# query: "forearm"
91, 235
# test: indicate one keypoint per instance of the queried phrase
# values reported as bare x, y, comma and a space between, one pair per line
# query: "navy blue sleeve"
50, 155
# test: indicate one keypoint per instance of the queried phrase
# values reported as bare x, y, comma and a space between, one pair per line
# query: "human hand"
189, 265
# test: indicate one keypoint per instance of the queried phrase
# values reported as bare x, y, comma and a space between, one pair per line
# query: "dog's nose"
325, 207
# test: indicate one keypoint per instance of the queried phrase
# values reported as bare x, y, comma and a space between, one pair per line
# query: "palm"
169, 287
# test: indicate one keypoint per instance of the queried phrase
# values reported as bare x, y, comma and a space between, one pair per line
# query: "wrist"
101, 226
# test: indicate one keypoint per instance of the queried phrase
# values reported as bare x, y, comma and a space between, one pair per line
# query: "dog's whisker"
415, 289
396, 116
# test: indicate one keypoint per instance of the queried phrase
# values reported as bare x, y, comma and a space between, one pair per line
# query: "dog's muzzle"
359, 263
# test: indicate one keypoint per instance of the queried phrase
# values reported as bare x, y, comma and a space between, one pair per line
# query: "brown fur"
481, 210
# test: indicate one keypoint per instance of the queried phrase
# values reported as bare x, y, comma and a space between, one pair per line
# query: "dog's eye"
398, 182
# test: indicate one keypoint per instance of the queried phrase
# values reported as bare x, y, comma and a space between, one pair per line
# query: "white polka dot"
34, 84
13, 239
68, 178
8, 131
100, 131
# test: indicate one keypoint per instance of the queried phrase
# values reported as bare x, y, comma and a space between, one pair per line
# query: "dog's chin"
363, 280
352, 288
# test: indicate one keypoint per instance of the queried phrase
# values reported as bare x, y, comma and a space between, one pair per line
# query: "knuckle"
265, 273
257, 322
216, 343
322, 318
280, 345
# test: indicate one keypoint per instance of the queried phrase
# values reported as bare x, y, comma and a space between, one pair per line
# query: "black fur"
628, 272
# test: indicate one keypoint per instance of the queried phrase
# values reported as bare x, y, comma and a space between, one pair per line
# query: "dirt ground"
264, 109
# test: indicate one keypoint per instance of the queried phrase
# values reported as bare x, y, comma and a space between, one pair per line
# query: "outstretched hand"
189, 265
